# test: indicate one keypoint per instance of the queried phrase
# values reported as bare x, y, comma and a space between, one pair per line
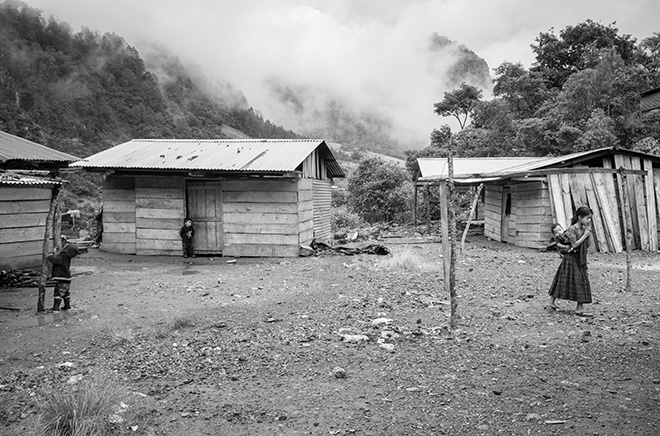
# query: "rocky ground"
342, 345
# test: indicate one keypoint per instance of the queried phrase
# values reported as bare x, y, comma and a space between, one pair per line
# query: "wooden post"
451, 218
414, 211
446, 243
428, 209
44, 262
473, 212
627, 225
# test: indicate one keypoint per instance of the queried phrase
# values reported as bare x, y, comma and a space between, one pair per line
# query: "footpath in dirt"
342, 345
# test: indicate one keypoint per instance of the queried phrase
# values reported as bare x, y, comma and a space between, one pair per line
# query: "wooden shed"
28, 180
521, 202
246, 197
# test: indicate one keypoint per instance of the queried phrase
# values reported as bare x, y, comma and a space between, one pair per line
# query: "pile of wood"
22, 278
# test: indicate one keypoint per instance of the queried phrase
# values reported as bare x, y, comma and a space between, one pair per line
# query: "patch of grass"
403, 260
86, 408
182, 323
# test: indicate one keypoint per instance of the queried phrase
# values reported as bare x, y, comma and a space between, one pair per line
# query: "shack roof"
14, 178
14, 148
231, 155
650, 100
478, 170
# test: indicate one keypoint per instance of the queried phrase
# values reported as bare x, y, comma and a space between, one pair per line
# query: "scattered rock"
339, 372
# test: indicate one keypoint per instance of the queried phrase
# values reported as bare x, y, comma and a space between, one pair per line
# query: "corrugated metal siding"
322, 210
16, 148
13, 179
240, 155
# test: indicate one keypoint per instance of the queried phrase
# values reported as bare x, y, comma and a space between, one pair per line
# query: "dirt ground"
207, 346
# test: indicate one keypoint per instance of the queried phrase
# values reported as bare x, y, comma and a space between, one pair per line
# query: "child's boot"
67, 303
56, 304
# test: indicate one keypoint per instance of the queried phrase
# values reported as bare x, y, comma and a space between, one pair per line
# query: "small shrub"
82, 409
343, 219
182, 323
405, 260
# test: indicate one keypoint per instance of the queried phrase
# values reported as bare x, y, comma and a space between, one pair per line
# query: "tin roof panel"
16, 148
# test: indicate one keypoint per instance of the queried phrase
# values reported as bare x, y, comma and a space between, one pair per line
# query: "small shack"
246, 197
28, 181
523, 200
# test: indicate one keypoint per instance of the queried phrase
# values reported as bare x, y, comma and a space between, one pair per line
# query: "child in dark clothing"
187, 233
61, 274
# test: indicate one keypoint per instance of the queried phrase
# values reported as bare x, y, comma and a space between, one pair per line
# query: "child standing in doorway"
187, 233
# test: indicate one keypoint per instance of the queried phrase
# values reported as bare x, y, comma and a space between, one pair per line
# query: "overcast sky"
373, 52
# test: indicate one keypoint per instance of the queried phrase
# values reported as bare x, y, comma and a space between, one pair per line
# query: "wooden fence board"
640, 205
28, 206
599, 224
650, 189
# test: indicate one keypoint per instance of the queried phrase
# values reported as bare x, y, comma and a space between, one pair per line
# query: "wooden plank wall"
119, 215
532, 214
600, 192
306, 210
493, 212
23, 213
322, 210
159, 214
261, 218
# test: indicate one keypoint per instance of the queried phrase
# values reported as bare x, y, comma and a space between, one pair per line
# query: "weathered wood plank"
600, 225
651, 205
118, 206
640, 206
248, 238
168, 193
306, 215
27, 206
160, 203
31, 261
260, 207
118, 227
656, 182
159, 213
118, 217
606, 197
112, 247
578, 184
146, 252
18, 194
22, 248
306, 196
21, 234
554, 186
158, 223
262, 218
260, 185
118, 195
162, 234
260, 197
261, 228
118, 238
564, 182
158, 244
24, 220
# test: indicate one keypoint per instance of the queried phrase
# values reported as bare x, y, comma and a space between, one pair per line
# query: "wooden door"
204, 203
506, 213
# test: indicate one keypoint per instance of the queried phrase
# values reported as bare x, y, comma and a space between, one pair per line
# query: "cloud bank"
372, 55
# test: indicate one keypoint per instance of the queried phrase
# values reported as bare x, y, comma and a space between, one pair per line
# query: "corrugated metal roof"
437, 167
11, 178
15, 148
241, 155
650, 100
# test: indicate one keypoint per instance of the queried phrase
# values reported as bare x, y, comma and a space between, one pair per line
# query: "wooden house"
27, 182
246, 197
522, 201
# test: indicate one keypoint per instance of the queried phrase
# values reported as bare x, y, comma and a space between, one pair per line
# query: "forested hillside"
582, 93
83, 92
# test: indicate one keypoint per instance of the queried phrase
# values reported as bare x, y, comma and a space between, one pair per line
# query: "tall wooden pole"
46, 245
628, 226
452, 238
